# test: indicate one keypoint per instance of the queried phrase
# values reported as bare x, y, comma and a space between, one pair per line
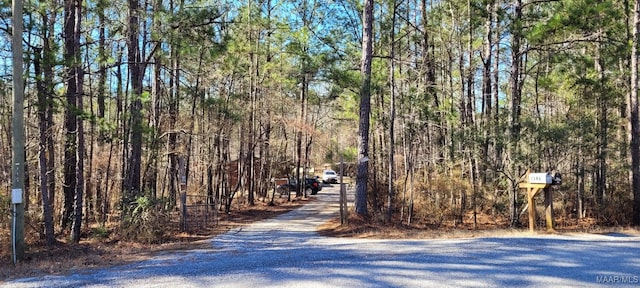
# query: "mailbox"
534, 184
540, 178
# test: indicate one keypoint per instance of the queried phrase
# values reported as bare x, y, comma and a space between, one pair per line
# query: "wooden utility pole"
17, 140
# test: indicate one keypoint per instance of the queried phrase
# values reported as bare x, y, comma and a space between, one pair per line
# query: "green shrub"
147, 221
100, 232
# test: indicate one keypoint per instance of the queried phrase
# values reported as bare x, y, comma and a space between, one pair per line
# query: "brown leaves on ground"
92, 252
360, 227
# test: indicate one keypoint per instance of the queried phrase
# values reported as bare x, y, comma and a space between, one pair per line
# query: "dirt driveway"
288, 252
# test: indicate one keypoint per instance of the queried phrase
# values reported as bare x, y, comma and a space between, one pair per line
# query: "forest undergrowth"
109, 246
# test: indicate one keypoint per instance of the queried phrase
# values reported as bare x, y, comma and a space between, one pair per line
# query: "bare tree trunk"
226, 186
90, 190
45, 92
299, 135
70, 121
49, 60
151, 170
253, 78
265, 151
365, 110
79, 79
487, 102
603, 131
101, 193
377, 156
102, 58
307, 164
132, 175
174, 84
265, 155
475, 184
300, 170
121, 124
254, 74
514, 131
42, 146
580, 183
495, 121
392, 116
635, 117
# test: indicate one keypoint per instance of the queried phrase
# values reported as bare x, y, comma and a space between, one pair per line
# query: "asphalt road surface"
287, 252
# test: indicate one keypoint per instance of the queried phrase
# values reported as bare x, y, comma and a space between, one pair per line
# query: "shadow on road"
288, 252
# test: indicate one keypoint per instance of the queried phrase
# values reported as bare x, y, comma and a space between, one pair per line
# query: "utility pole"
17, 140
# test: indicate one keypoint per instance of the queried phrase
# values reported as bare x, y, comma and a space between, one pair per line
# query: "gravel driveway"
287, 252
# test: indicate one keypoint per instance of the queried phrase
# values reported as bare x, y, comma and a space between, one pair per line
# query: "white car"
329, 176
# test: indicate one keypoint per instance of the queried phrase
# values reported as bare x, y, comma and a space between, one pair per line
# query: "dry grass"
364, 228
93, 252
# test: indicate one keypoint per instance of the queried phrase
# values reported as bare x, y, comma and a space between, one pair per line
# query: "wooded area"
442, 105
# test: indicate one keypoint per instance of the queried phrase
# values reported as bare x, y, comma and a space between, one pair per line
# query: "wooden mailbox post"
534, 183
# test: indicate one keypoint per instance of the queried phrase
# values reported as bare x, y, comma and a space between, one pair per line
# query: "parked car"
329, 176
312, 186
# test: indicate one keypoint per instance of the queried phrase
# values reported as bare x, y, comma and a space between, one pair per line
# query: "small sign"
16, 196
540, 178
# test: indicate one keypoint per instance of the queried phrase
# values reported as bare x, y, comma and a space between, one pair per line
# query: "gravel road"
287, 252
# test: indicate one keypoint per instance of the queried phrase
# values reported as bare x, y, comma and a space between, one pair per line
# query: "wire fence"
197, 212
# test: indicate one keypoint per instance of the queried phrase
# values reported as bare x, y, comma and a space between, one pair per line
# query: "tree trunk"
265, 155
101, 95
603, 129
487, 102
635, 117
43, 128
102, 58
174, 169
495, 121
151, 174
253, 78
580, 173
514, 131
365, 110
78, 75
429, 77
70, 152
132, 174
392, 115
